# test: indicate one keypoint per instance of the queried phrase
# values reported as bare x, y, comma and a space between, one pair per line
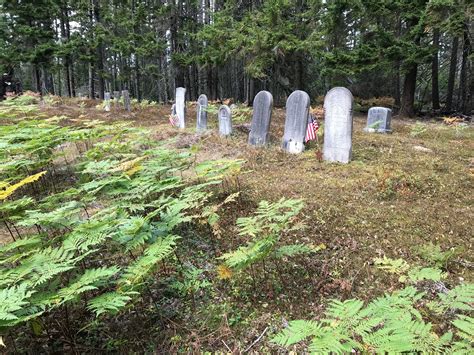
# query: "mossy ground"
391, 199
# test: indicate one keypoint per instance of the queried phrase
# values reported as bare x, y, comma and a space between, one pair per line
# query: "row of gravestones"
117, 95
338, 109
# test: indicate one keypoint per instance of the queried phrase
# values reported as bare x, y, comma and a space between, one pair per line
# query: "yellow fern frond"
224, 272
12, 188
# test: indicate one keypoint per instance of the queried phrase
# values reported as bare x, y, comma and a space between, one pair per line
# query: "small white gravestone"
126, 100
379, 120
180, 101
107, 101
201, 119
225, 121
262, 116
338, 105
297, 111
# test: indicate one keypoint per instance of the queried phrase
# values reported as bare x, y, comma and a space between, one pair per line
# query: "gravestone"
379, 120
297, 111
107, 101
126, 100
225, 121
261, 119
201, 119
116, 98
338, 105
173, 110
180, 101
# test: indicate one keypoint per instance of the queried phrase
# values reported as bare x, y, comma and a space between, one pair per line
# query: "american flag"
174, 120
311, 129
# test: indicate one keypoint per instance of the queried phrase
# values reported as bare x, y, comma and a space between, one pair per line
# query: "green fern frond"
137, 271
90, 280
393, 266
110, 302
460, 297
246, 255
13, 299
296, 331
297, 249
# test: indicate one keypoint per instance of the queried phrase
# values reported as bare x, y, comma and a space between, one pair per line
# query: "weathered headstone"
126, 100
116, 98
225, 120
180, 101
379, 120
201, 119
338, 105
107, 101
297, 110
262, 116
173, 110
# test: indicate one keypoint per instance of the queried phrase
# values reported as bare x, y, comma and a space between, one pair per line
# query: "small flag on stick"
311, 129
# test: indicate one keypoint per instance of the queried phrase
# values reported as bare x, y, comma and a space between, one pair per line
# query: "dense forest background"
418, 52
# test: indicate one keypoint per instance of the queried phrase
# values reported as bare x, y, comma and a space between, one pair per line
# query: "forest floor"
403, 190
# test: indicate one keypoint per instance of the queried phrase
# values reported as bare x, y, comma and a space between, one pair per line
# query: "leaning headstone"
225, 120
262, 116
297, 110
180, 101
338, 105
107, 101
126, 100
201, 119
379, 120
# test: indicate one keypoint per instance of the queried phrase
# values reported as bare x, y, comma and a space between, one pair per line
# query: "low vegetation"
116, 237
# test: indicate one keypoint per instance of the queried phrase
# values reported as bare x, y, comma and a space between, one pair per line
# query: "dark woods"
417, 52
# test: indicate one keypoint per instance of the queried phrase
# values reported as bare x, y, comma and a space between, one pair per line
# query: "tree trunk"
408, 96
99, 52
434, 71
464, 81
452, 74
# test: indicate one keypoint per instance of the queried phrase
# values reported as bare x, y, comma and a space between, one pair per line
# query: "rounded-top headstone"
225, 120
338, 105
379, 120
107, 101
297, 110
261, 119
180, 101
201, 114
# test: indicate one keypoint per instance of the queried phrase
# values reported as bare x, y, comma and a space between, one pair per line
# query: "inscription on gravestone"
201, 119
338, 105
107, 101
262, 116
225, 120
379, 120
297, 110
180, 101
126, 100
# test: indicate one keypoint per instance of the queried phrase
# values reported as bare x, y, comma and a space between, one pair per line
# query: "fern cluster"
99, 236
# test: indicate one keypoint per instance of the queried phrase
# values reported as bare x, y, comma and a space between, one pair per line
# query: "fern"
110, 302
393, 266
90, 280
142, 267
460, 297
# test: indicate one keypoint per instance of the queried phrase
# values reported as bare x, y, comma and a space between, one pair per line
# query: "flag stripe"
311, 129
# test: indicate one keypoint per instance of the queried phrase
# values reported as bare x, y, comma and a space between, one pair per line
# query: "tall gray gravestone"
225, 121
201, 115
262, 116
338, 105
126, 100
379, 120
297, 111
107, 101
180, 101
116, 98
